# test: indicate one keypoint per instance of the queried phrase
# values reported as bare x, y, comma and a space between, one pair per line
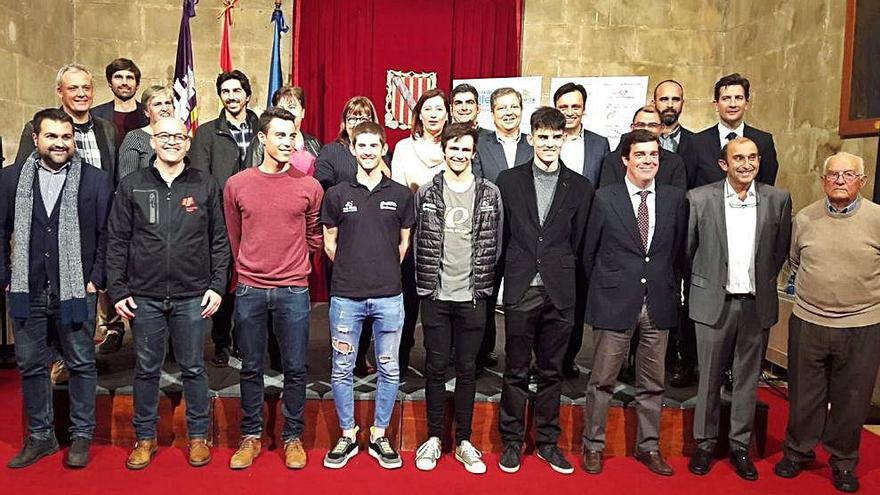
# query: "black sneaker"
221, 357
338, 456
510, 458
554, 456
382, 450
78, 453
32, 451
112, 342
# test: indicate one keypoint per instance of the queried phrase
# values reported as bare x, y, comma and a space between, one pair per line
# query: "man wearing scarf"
53, 216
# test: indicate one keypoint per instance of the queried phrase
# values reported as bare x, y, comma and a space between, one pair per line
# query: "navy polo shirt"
367, 263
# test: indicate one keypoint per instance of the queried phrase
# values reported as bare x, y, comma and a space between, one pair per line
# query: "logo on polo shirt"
349, 207
388, 205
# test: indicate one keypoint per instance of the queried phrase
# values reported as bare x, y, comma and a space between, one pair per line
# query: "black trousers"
410, 312
533, 323
443, 321
488, 344
576, 341
829, 366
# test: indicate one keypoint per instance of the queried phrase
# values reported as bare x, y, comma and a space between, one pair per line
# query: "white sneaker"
468, 455
428, 454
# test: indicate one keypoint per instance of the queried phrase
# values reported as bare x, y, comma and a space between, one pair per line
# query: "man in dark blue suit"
634, 255
583, 150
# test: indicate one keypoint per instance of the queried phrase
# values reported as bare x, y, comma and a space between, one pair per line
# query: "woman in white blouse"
418, 158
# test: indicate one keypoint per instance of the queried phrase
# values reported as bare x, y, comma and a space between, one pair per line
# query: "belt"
742, 297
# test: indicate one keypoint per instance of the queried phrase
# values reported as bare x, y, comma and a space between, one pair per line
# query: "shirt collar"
508, 141
633, 189
674, 134
731, 196
40, 165
723, 130
846, 210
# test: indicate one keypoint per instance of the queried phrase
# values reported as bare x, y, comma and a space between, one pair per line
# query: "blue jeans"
346, 320
154, 319
289, 308
34, 353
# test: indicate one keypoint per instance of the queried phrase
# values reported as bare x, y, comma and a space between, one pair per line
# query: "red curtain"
344, 48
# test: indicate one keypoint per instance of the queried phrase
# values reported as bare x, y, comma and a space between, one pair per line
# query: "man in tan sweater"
834, 330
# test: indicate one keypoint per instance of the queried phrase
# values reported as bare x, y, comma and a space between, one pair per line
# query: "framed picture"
860, 91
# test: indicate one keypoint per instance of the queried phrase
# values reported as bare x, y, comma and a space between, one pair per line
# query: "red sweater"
273, 226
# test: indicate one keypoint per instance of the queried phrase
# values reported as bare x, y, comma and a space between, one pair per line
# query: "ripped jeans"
346, 320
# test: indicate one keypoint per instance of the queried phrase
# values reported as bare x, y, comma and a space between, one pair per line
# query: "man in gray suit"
738, 236
507, 147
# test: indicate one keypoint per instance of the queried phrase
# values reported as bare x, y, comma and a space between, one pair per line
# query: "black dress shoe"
571, 370
32, 451
78, 453
744, 466
788, 468
845, 480
490, 359
701, 462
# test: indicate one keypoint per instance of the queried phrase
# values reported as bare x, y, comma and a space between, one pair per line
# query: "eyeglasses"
355, 120
848, 176
643, 125
164, 137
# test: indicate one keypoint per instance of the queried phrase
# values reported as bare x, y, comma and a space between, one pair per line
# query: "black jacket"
214, 149
702, 160
671, 172
486, 230
106, 110
553, 249
105, 135
621, 274
167, 242
95, 197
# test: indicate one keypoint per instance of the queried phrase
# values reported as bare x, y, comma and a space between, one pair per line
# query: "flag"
184, 78
276, 80
225, 48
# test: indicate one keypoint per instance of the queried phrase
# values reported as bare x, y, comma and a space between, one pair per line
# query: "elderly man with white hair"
834, 330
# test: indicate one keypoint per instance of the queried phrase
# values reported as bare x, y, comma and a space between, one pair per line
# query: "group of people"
671, 227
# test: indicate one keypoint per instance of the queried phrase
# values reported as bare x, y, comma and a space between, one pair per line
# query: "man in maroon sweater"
272, 216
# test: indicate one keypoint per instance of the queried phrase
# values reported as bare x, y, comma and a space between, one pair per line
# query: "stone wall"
30, 54
792, 52
663, 39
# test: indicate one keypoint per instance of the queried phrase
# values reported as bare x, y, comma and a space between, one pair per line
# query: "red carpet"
169, 472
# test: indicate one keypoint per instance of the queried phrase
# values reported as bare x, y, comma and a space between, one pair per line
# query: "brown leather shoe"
294, 454
654, 461
142, 454
592, 461
199, 452
248, 450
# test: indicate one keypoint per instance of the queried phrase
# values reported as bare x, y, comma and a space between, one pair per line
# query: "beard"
668, 118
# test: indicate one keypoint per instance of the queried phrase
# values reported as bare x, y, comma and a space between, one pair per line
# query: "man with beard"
583, 150
669, 101
219, 147
272, 214
169, 218
738, 239
126, 113
367, 223
54, 211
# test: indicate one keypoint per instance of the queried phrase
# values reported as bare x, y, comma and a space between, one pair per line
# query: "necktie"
731, 136
668, 143
642, 218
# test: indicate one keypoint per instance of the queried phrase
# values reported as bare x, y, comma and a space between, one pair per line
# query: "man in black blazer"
544, 225
731, 103
583, 150
507, 147
738, 238
54, 210
671, 171
634, 257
